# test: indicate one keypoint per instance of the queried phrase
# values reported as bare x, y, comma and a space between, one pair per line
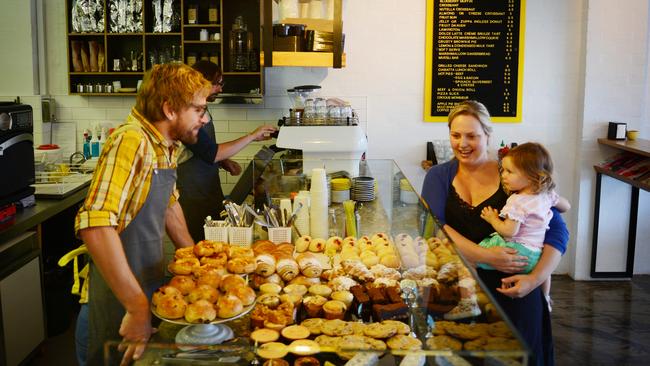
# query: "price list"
475, 55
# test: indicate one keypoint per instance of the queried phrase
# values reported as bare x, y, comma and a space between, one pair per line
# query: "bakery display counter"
385, 287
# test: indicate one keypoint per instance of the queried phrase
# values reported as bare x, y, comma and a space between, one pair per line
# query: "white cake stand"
215, 332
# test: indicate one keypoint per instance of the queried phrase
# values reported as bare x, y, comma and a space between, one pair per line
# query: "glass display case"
386, 283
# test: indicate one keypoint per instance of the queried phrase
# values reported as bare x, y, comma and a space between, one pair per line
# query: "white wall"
616, 79
384, 81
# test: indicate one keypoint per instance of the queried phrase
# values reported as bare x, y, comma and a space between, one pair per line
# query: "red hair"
175, 84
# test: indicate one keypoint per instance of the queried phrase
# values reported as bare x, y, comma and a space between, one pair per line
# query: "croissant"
358, 270
309, 265
263, 246
287, 268
265, 264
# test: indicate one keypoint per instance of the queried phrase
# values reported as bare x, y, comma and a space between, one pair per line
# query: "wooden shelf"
104, 94
86, 34
242, 73
163, 34
303, 59
622, 178
134, 34
108, 73
201, 42
201, 25
638, 146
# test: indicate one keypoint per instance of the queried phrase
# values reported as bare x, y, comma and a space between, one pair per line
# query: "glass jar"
214, 58
213, 13
192, 13
191, 58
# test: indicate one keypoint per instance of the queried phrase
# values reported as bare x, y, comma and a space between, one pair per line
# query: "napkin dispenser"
616, 131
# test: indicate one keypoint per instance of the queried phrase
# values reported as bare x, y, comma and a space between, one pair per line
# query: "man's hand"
136, 330
230, 166
490, 214
263, 133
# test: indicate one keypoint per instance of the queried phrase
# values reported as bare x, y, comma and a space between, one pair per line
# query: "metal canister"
108, 88
80, 88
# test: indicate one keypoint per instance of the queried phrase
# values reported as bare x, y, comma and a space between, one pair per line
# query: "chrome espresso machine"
327, 132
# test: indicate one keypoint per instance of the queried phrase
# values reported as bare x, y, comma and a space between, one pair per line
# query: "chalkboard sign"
474, 50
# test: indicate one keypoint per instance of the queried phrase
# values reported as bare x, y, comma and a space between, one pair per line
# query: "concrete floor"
594, 323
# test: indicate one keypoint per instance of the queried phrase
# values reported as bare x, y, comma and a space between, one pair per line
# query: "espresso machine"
326, 131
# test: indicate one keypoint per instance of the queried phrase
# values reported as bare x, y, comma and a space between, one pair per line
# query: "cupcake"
334, 309
314, 305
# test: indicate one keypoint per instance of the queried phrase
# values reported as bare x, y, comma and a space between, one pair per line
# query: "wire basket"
280, 235
242, 236
216, 233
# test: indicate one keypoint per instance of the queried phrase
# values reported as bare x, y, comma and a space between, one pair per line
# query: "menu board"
474, 50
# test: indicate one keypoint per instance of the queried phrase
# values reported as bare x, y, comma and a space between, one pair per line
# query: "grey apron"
142, 242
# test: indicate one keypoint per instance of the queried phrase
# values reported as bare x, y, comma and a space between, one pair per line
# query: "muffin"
314, 305
295, 289
344, 296
334, 309
320, 290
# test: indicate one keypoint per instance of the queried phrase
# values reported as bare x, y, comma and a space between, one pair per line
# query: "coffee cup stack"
302, 217
319, 203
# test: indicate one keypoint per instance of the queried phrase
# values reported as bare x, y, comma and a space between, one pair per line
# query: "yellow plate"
126, 90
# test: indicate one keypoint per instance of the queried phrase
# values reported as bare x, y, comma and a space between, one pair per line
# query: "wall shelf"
640, 148
181, 44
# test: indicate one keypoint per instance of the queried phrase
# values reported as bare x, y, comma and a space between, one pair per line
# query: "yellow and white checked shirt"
122, 178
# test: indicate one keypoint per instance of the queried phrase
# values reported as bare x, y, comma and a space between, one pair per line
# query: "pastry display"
338, 295
207, 286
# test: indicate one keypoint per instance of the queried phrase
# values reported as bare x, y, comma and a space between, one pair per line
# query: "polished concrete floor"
601, 323
594, 323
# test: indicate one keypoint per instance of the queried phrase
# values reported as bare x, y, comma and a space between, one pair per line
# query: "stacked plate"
363, 189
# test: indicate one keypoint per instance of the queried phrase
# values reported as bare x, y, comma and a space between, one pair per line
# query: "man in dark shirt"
198, 177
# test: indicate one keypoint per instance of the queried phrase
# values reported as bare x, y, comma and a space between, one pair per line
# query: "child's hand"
489, 214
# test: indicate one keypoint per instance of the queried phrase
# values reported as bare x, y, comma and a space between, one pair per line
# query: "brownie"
393, 294
436, 309
377, 295
398, 310
360, 295
447, 295
430, 294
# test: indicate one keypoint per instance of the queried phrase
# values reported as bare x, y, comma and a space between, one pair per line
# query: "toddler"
522, 222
